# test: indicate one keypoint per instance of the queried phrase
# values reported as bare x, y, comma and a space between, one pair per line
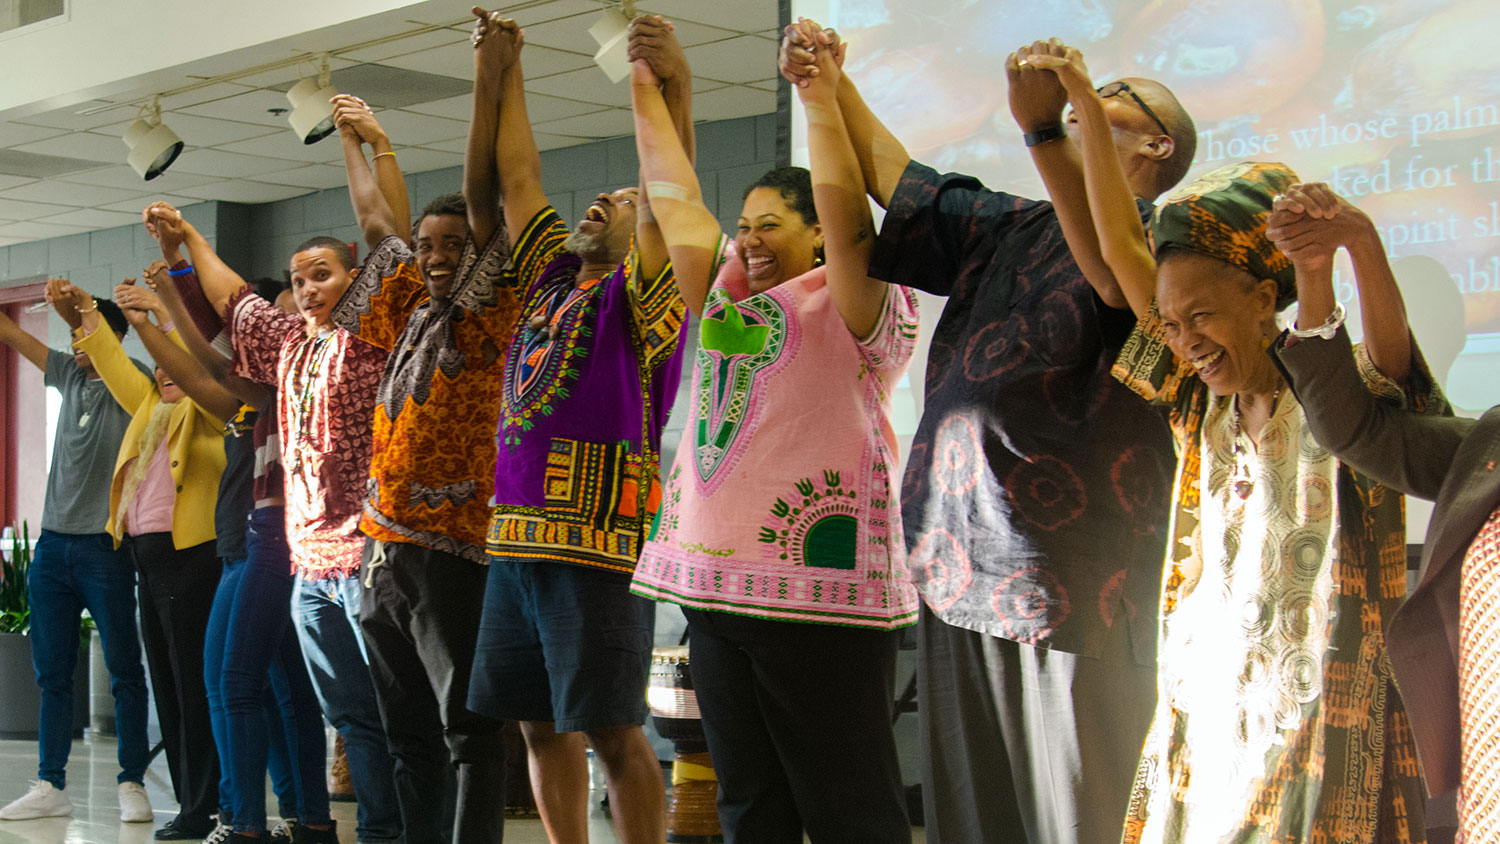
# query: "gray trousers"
1025, 744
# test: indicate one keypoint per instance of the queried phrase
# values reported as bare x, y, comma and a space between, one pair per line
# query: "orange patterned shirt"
433, 468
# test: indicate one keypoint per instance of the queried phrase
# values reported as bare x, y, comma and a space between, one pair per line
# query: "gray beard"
585, 245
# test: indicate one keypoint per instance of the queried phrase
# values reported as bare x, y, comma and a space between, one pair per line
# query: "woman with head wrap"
1276, 717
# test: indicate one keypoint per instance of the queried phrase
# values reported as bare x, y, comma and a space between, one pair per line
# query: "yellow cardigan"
195, 441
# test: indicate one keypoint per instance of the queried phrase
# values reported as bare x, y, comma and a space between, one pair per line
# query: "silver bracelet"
1329, 327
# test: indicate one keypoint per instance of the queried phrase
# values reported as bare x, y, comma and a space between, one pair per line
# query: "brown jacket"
1449, 460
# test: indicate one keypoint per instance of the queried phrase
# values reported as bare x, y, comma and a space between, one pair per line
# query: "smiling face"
774, 242
1215, 317
603, 235
440, 245
169, 391
319, 280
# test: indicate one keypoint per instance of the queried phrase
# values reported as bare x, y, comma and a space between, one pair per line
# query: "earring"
1265, 343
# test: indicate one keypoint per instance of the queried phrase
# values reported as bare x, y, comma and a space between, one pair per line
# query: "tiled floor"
91, 785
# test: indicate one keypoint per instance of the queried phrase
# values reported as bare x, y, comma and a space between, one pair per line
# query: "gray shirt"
89, 429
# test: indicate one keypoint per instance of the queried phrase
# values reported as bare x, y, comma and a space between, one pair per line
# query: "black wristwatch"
1042, 136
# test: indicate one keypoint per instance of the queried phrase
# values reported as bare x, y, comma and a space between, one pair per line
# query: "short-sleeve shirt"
439, 401
326, 385
90, 426
1035, 497
585, 397
781, 504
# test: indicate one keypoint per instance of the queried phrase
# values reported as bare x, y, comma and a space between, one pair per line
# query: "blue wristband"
184, 271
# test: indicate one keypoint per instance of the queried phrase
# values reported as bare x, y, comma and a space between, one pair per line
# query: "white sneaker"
220, 833
134, 806
42, 801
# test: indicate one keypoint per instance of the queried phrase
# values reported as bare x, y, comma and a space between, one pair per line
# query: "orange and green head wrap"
1223, 214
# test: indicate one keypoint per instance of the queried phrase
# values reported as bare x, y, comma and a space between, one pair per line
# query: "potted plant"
20, 699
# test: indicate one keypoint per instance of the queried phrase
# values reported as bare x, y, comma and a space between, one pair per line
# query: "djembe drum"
692, 816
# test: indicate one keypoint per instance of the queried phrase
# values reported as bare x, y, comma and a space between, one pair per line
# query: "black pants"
420, 617
798, 720
176, 593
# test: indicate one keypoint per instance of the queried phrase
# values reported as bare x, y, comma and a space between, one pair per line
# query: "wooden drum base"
692, 813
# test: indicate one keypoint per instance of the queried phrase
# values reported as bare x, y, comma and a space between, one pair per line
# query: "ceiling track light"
312, 113
610, 32
153, 147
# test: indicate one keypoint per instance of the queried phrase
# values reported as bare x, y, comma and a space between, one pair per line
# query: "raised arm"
219, 282
158, 277
1102, 224
481, 178
139, 305
882, 157
839, 196
376, 188
28, 346
690, 230
1407, 451
516, 156
1310, 223
94, 337
653, 41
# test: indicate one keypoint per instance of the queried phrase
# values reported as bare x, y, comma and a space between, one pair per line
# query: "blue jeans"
325, 613
251, 653
71, 573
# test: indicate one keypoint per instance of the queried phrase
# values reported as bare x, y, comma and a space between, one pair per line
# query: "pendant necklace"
1242, 480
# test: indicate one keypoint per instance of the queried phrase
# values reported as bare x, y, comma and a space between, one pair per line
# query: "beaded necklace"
302, 410
1241, 479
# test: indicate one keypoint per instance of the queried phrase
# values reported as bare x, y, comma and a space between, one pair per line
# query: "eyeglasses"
1115, 89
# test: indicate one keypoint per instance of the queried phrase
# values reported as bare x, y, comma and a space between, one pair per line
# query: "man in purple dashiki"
589, 379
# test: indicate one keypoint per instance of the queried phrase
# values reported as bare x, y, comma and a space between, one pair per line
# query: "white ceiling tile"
410, 129
744, 17
121, 176
542, 12
135, 205
460, 107
702, 85
734, 101
9, 181
37, 231
311, 176
610, 123
407, 44
588, 85
12, 241
69, 118
208, 93
66, 193
20, 133
226, 165
198, 131
458, 61
250, 107
767, 84
418, 160
243, 190
13, 209
748, 58
458, 145
285, 145
85, 145
94, 218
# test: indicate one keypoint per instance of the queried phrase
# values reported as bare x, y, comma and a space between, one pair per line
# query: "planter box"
21, 700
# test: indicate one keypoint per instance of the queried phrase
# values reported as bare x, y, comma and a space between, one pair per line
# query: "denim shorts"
562, 643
